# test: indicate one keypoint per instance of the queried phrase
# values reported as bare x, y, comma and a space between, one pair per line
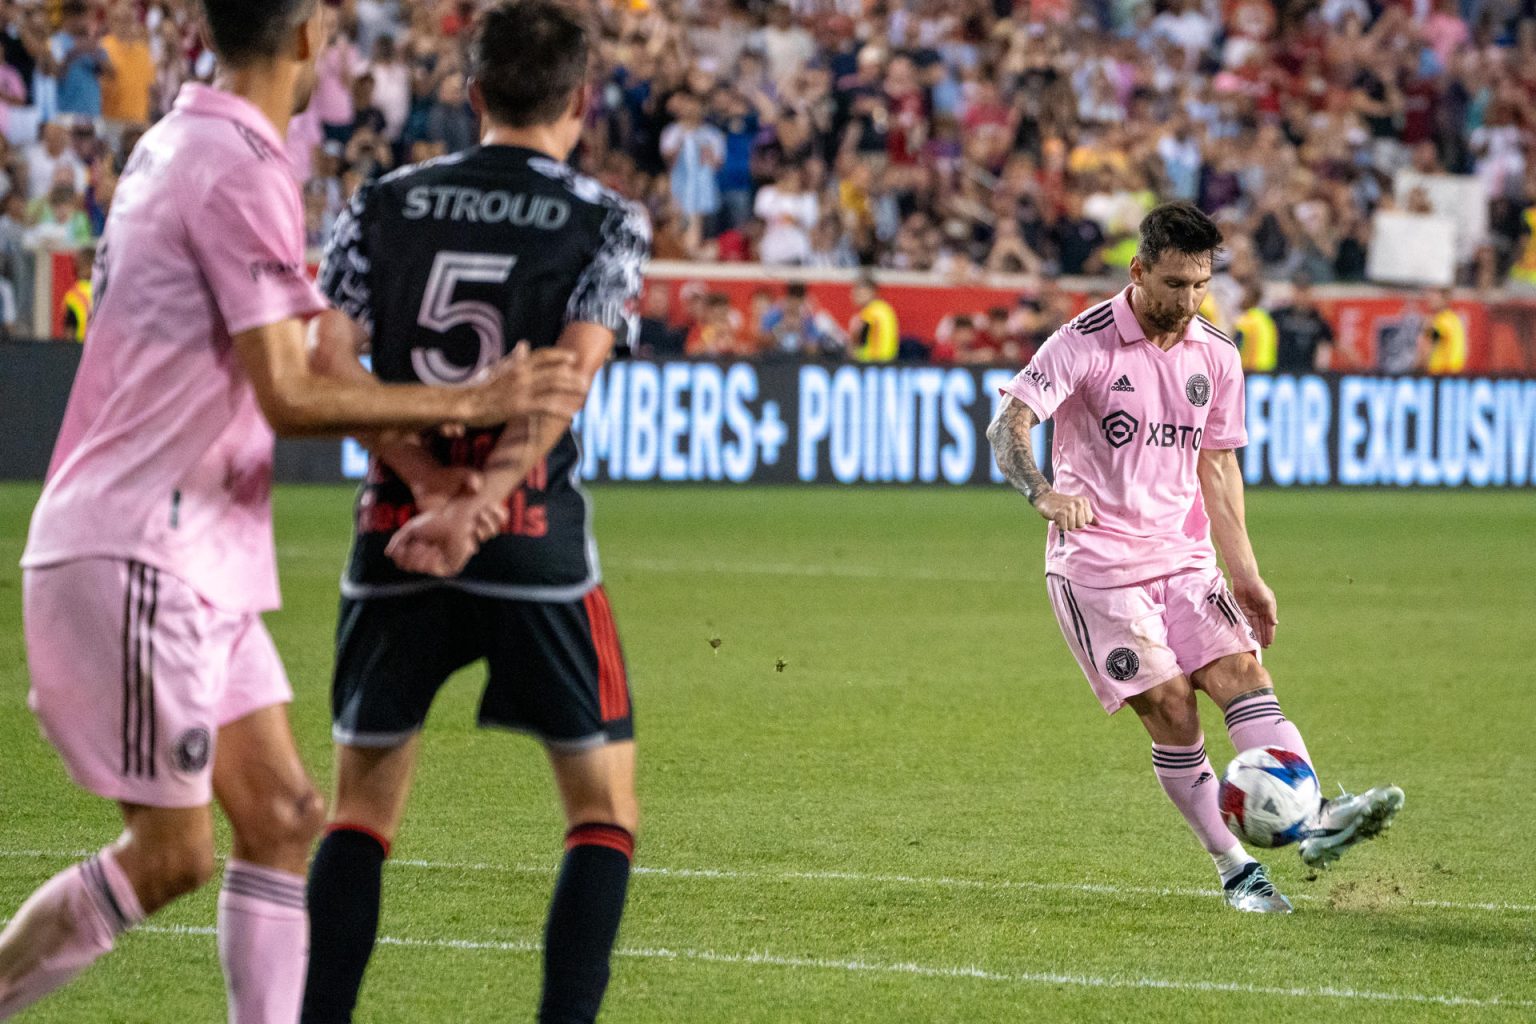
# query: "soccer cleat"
1253, 892
1346, 820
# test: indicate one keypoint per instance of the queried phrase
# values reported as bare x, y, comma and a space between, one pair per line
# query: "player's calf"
597, 790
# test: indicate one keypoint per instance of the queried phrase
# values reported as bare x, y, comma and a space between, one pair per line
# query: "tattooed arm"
1009, 434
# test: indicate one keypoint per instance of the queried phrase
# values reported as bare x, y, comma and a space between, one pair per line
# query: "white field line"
915, 881
851, 571
938, 971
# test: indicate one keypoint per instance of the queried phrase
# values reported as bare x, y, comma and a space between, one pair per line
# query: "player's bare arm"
439, 542
1009, 435
298, 401
336, 345
1221, 488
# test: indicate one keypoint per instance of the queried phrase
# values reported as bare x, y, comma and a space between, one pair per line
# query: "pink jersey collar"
206, 101
1129, 328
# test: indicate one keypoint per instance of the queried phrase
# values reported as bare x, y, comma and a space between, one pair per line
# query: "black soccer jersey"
449, 264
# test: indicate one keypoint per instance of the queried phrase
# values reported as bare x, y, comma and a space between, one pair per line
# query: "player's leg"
275, 814
1208, 630
557, 670
76, 916
346, 878
119, 656
597, 791
1243, 689
1119, 639
386, 678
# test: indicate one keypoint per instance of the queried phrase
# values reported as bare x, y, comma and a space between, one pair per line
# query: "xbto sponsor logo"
1173, 435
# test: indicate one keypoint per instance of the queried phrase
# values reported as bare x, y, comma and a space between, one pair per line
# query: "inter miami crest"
1119, 428
191, 751
1122, 663
1198, 389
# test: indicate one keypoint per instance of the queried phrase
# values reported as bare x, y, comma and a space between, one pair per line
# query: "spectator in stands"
1304, 341
24, 49
82, 62
794, 326
658, 337
873, 334
1078, 241
1442, 347
125, 93
13, 100
58, 220
694, 150
332, 99
75, 308
738, 122
391, 79
52, 159
789, 210
1256, 335
450, 121
14, 278
718, 331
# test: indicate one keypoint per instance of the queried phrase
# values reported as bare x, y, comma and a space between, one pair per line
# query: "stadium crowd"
953, 136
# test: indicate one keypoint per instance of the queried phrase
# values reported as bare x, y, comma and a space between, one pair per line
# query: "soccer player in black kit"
478, 546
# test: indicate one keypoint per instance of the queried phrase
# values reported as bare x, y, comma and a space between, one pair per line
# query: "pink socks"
63, 928
1190, 782
1254, 720
263, 943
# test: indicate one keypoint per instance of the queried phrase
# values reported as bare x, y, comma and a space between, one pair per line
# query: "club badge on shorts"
192, 750
1122, 663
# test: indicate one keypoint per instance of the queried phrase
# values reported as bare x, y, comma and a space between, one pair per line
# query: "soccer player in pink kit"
1147, 399
150, 554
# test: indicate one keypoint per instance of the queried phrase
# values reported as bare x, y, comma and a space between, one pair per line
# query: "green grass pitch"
888, 795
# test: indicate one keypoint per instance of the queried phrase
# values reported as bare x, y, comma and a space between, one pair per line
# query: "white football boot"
1346, 820
1253, 892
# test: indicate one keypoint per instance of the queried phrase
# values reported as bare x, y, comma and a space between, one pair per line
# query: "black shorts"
554, 668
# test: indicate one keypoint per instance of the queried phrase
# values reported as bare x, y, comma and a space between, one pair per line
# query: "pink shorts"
1129, 639
133, 675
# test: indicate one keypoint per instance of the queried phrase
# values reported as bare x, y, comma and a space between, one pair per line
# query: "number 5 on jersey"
441, 314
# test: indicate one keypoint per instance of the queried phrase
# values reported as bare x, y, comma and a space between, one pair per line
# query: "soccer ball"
1269, 796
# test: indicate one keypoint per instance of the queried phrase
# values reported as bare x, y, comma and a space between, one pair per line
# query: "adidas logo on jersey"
1123, 384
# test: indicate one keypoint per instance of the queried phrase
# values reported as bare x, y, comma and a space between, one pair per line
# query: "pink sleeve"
1049, 377
1226, 427
249, 239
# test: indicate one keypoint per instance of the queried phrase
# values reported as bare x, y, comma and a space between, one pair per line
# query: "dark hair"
961, 323
529, 57
1179, 227
795, 289
247, 31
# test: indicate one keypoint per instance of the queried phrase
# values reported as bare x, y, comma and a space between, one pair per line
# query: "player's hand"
1257, 602
1067, 511
441, 542
545, 382
434, 488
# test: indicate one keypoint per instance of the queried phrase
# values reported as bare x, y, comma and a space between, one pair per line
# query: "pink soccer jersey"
164, 456
1130, 420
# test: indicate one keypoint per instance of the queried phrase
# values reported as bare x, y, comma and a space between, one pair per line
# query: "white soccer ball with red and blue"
1269, 796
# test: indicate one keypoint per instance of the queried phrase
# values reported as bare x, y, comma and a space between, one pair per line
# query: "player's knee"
297, 818
1169, 703
1243, 675
616, 808
282, 821
171, 870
